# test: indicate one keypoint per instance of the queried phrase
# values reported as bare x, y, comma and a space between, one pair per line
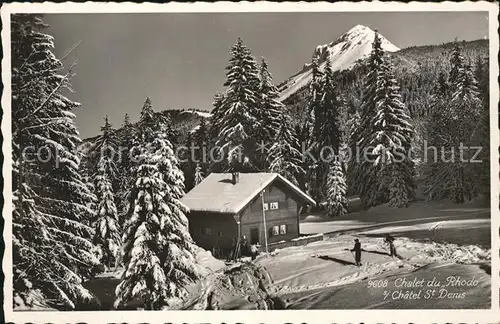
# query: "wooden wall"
222, 227
286, 214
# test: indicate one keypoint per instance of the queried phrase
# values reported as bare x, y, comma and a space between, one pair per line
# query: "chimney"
235, 177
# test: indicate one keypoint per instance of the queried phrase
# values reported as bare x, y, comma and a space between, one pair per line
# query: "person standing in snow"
357, 252
254, 251
244, 246
390, 240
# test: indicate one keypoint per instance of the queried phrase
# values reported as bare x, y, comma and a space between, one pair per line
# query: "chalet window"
274, 205
206, 231
220, 234
266, 206
275, 231
278, 230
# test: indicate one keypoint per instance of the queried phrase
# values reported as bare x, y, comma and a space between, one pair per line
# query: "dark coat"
357, 251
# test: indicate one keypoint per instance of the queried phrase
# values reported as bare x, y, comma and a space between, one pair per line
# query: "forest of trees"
117, 202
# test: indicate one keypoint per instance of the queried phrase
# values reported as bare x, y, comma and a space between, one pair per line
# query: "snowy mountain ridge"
343, 53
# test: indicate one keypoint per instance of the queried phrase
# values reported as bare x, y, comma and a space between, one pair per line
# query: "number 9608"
377, 283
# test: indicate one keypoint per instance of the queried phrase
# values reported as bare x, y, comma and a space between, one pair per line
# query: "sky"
178, 59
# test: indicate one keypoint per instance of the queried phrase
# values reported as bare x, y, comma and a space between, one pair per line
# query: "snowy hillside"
201, 113
352, 46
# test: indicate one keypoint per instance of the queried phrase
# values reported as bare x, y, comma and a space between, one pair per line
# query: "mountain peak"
359, 29
343, 53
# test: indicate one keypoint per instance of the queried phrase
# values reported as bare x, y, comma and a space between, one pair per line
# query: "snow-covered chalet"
263, 207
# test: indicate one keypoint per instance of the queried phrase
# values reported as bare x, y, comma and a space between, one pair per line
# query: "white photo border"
245, 316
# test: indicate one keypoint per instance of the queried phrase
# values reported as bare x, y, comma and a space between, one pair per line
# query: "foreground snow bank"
243, 285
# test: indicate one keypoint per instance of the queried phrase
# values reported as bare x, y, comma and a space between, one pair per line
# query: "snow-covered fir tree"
481, 73
311, 130
189, 158
329, 134
442, 85
147, 111
284, 156
457, 62
364, 174
467, 110
158, 251
213, 133
214, 127
269, 110
392, 138
150, 122
107, 142
336, 190
238, 112
52, 248
198, 175
126, 121
202, 146
127, 142
315, 88
351, 126
107, 234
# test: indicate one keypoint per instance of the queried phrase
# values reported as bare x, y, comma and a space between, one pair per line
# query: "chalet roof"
216, 193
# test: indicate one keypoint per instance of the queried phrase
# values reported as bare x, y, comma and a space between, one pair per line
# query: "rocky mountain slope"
343, 53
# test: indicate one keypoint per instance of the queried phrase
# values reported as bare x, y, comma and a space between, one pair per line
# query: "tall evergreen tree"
269, 111
151, 123
215, 127
284, 156
329, 134
336, 194
238, 112
202, 146
125, 163
392, 139
107, 234
442, 86
189, 165
365, 177
52, 248
158, 250
147, 111
312, 130
198, 175
481, 73
457, 62
126, 121
214, 132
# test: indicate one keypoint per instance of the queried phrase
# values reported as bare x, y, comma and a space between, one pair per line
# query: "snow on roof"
216, 193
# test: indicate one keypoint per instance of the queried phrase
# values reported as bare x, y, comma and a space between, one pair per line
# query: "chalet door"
254, 236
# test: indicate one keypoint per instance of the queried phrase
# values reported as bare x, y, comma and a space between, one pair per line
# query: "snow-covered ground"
326, 266
433, 240
422, 221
